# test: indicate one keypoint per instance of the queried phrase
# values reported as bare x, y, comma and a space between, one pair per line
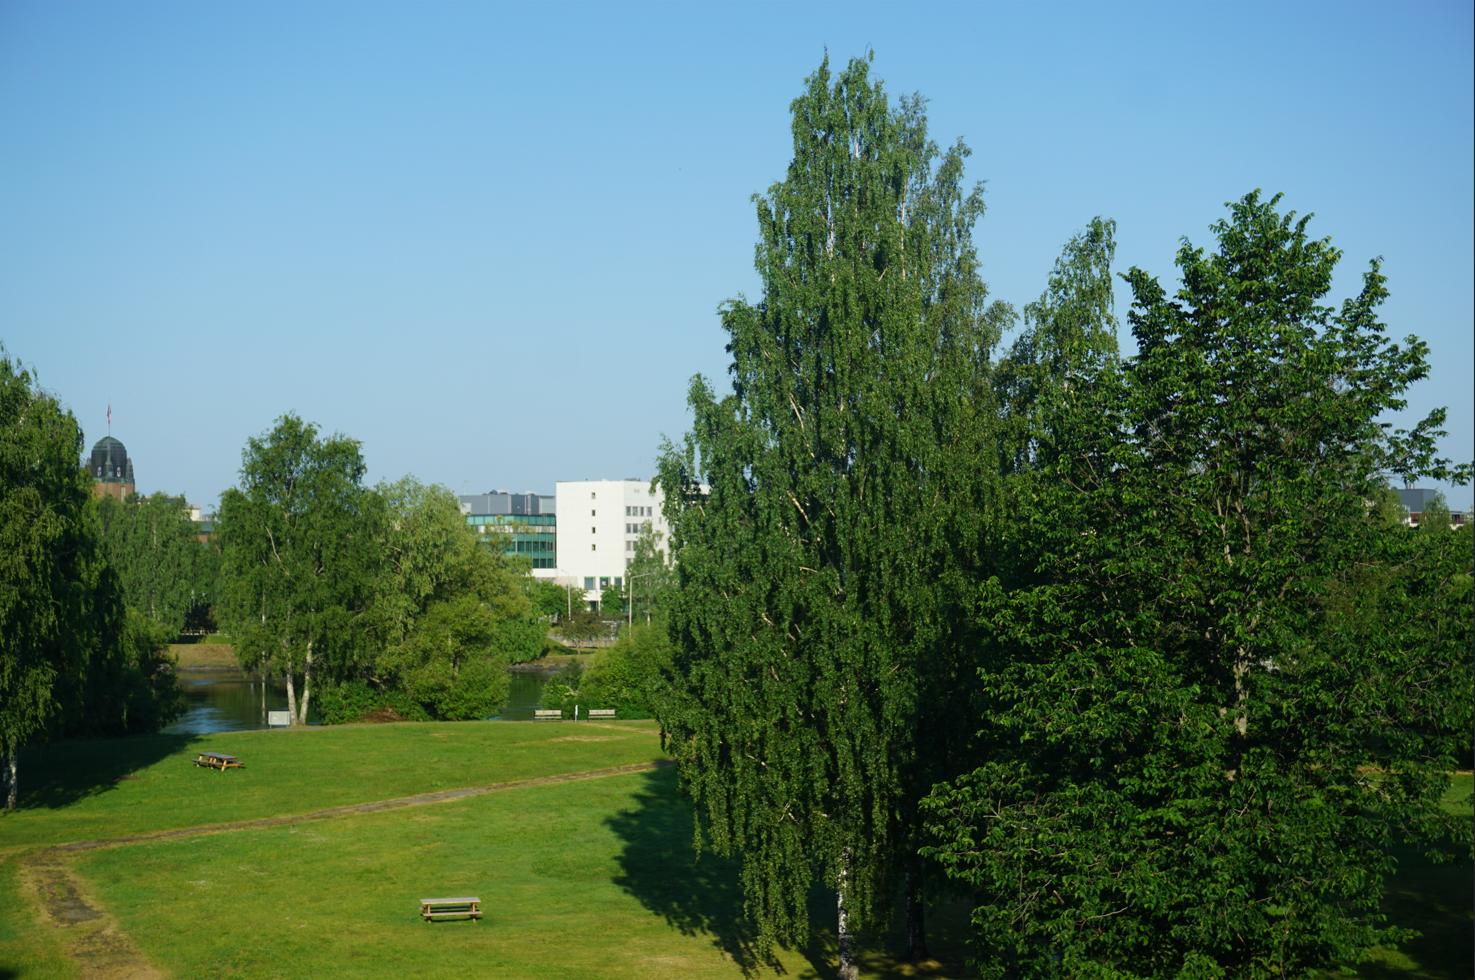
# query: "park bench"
215, 760
547, 714
601, 713
450, 908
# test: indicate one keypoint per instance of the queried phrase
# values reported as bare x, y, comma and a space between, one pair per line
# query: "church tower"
111, 469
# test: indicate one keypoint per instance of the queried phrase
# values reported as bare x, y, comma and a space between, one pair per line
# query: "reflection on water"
524, 694
225, 701
229, 701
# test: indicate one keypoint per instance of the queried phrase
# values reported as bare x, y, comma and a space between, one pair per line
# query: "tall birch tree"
298, 545
817, 513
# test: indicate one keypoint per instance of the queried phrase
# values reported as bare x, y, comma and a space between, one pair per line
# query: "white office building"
599, 522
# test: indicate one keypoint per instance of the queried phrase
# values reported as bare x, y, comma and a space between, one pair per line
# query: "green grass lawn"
572, 884
592, 878
108, 788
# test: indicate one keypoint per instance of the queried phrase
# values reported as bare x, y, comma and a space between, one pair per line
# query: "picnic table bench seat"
468, 907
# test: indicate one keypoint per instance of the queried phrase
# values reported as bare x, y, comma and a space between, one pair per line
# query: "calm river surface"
228, 701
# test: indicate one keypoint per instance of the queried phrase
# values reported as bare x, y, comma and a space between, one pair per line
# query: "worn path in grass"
100, 948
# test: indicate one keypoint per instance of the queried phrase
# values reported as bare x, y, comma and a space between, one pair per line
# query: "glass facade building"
533, 536
521, 524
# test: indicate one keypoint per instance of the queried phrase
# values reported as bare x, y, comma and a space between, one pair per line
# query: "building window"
588, 581
591, 494
629, 545
593, 513
618, 584
604, 581
593, 547
593, 531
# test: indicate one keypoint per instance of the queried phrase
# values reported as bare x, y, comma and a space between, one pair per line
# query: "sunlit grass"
592, 878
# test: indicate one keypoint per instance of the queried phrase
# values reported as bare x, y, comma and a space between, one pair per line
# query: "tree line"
78, 655
1134, 652
378, 599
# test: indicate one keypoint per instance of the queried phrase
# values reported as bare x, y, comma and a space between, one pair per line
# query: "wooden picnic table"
218, 760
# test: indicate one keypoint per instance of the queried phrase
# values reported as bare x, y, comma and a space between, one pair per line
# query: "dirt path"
98, 945
90, 936
376, 806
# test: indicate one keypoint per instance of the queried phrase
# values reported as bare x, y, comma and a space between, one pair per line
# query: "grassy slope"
204, 656
108, 788
593, 878
555, 867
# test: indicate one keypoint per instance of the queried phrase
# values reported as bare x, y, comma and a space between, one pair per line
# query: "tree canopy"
43, 498
815, 508
298, 545
71, 661
167, 573
1198, 744
450, 614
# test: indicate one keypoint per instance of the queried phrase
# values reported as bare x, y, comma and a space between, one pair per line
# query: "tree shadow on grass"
1435, 899
702, 896
62, 773
698, 896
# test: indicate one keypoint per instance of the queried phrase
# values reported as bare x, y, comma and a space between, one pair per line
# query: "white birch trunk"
849, 970
306, 684
12, 783
291, 698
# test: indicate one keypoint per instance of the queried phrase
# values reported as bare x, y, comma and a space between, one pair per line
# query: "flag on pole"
110, 415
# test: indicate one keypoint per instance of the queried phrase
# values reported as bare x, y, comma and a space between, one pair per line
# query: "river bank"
222, 698
202, 657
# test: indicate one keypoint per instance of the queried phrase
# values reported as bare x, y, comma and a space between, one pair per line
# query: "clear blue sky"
489, 242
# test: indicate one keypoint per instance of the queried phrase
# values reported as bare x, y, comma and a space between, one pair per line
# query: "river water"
229, 701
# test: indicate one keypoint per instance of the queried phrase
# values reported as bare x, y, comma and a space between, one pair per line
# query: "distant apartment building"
1415, 502
599, 522
522, 524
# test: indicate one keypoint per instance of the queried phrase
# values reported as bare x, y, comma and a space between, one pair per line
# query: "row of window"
536, 520
604, 581
636, 528
640, 512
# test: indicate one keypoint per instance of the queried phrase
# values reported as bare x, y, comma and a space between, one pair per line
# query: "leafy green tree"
630, 676
1195, 752
127, 683
564, 689
1435, 519
43, 550
1068, 336
449, 615
612, 602
450, 664
71, 662
816, 512
166, 572
649, 576
299, 545
550, 600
